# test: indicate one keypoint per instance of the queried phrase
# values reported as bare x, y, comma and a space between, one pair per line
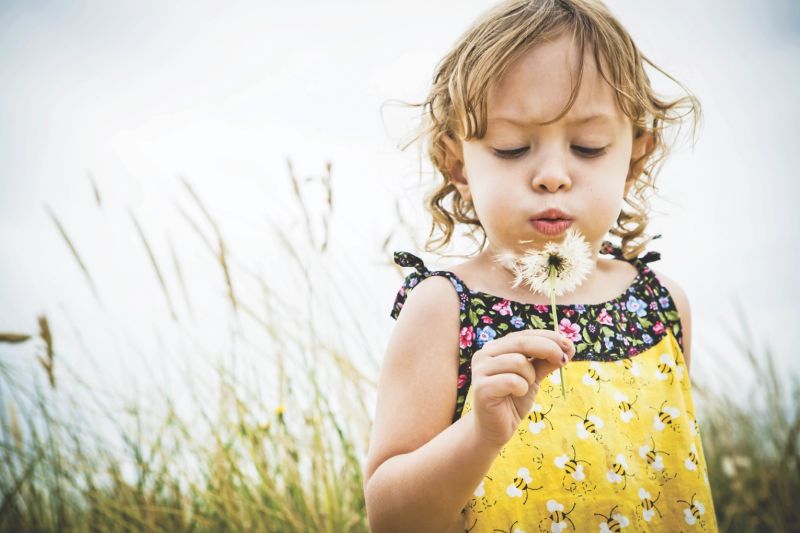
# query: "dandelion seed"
555, 270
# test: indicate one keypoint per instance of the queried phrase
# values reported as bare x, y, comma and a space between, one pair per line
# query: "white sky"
137, 94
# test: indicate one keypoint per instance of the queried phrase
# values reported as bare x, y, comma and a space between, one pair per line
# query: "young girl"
540, 119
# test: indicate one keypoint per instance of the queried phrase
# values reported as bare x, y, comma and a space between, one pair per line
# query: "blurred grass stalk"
293, 463
283, 456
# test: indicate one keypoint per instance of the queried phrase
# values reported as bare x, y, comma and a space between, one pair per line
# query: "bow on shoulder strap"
611, 249
407, 259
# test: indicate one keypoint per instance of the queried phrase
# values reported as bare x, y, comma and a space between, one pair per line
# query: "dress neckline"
637, 280
643, 277
612, 330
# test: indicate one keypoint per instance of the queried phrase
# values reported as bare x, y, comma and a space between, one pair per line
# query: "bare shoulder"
418, 378
467, 271
684, 310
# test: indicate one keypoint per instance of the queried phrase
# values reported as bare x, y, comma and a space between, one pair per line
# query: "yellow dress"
623, 451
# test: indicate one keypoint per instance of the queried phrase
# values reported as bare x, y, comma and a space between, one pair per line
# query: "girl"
541, 118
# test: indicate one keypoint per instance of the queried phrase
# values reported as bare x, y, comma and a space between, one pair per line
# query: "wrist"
481, 444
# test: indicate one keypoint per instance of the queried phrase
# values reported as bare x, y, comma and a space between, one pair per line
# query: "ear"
642, 145
454, 164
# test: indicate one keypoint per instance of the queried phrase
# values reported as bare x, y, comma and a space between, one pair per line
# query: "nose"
550, 172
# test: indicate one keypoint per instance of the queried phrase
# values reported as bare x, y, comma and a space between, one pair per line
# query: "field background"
199, 207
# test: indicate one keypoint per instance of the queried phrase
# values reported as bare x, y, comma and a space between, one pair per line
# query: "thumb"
543, 369
523, 404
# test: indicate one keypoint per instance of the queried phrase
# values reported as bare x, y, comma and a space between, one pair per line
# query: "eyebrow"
602, 117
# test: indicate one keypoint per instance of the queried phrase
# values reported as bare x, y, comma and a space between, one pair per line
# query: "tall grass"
291, 461
751, 440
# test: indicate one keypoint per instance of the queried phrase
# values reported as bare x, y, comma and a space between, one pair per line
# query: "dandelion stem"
555, 321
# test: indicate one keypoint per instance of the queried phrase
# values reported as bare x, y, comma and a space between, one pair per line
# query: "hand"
506, 374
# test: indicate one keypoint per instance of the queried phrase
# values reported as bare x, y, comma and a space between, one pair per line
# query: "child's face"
551, 166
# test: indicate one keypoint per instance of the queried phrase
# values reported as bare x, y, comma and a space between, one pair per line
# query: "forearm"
425, 490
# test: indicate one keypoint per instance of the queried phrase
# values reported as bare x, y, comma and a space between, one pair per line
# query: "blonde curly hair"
456, 102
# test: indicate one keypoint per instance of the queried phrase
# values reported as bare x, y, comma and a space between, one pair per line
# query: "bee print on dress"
589, 425
481, 502
666, 417
649, 507
667, 368
614, 521
630, 369
650, 455
592, 376
619, 471
691, 461
537, 419
557, 517
521, 485
574, 470
692, 514
626, 410
655, 463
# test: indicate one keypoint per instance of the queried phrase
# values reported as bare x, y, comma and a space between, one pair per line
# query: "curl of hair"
457, 101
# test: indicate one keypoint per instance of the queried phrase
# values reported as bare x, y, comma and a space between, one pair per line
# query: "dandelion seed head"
571, 259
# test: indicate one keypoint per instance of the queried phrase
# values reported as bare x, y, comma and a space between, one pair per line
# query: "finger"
497, 387
515, 363
541, 345
562, 340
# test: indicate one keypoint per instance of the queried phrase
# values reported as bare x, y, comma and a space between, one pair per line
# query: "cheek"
606, 196
495, 205
488, 200
485, 180
614, 172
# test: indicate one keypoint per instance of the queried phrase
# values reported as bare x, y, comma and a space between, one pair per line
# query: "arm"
421, 470
684, 311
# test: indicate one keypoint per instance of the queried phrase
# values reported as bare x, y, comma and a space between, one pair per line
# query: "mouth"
551, 221
547, 226
551, 215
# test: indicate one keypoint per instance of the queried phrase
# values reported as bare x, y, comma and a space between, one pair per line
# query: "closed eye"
584, 151
588, 152
510, 154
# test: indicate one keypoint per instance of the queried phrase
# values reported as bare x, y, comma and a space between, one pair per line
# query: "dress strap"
666, 311
407, 259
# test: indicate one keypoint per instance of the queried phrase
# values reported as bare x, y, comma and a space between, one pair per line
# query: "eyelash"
585, 152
